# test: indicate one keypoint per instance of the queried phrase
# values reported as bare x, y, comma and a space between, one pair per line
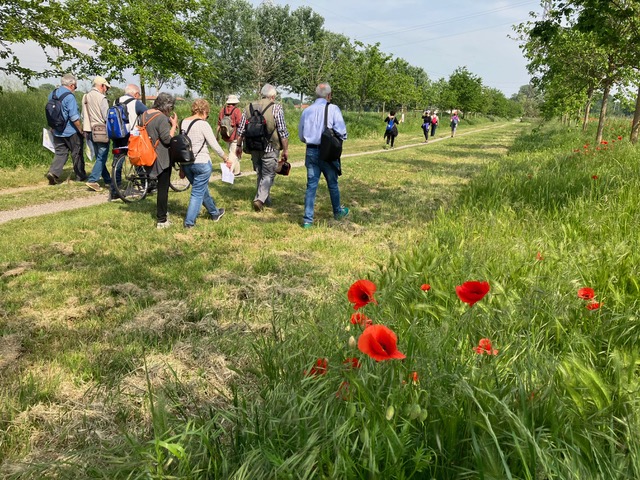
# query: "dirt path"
92, 199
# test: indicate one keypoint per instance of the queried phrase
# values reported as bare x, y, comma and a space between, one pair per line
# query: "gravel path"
93, 199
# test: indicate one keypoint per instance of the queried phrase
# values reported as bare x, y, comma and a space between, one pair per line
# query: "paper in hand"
227, 174
47, 140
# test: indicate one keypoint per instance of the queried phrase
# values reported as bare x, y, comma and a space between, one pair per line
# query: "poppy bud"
352, 342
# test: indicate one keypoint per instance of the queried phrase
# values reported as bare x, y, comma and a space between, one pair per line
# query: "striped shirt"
200, 134
281, 126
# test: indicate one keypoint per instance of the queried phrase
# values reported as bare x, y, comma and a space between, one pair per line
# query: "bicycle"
132, 183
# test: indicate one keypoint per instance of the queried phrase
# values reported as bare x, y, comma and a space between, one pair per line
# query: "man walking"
265, 161
70, 139
94, 113
229, 118
310, 130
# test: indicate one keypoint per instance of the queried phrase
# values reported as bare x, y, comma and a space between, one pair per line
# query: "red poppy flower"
359, 318
604, 142
619, 137
320, 368
352, 362
594, 305
484, 346
380, 343
586, 293
586, 146
472, 292
361, 293
414, 377
539, 257
595, 177
425, 287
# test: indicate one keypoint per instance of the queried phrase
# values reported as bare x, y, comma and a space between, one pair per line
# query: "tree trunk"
587, 110
603, 112
635, 126
143, 91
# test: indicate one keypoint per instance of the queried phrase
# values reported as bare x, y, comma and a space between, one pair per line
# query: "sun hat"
233, 99
101, 81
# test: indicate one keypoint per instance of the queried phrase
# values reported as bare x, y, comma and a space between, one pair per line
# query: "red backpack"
142, 152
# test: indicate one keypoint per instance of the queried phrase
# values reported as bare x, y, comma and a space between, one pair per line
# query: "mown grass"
167, 354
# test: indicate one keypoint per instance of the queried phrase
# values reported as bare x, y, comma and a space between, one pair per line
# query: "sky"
437, 36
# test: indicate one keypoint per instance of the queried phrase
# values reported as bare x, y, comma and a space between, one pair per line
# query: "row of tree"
217, 48
583, 48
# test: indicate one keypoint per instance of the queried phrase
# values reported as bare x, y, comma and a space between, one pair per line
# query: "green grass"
136, 353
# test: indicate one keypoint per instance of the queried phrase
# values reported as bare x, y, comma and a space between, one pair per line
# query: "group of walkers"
233, 127
429, 125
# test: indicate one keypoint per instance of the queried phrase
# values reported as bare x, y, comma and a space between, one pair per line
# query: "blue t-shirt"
69, 111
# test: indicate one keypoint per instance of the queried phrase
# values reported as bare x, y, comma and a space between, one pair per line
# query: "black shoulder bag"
330, 144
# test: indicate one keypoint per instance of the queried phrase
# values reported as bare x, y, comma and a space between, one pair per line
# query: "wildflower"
484, 346
594, 305
352, 362
425, 287
586, 146
352, 342
380, 343
586, 293
414, 377
595, 177
604, 142
320, 368
472, 292
358, 318
619, 137
539, 257
344, 391
361, 293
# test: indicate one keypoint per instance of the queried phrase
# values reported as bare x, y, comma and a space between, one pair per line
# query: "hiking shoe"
113, 196
258, 206
344, 211
52, 178
161, 225
217, 217
307, 225
94, 186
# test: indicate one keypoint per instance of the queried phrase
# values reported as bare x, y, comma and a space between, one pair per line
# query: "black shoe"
217, 217
53, 180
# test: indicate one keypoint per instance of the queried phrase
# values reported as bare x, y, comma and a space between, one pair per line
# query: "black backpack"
180, 148
256, 136
54, 113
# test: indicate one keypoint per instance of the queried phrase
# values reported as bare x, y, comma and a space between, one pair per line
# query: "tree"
160, 38
467, 89
46, 23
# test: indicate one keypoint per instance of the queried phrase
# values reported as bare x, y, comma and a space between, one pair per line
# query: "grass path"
85, 198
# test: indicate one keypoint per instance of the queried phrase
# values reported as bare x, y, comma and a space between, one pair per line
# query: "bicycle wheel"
131, 182
178, 184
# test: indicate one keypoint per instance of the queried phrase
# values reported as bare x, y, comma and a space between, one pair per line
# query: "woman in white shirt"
201, 134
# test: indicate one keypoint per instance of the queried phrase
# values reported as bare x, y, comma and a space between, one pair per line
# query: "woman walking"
199, 172
161, 126
391, 132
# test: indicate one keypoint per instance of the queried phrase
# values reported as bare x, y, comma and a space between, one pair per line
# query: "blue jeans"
315, 166
100, 153
199, 175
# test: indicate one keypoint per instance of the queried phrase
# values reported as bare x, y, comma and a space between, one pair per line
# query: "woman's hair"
392, 113
164, 102
200, 106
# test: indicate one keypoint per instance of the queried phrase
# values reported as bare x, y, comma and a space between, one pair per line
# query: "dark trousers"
162, 195
63, 147
390, 136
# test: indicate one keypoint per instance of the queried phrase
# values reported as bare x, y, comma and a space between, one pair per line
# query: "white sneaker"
161, 225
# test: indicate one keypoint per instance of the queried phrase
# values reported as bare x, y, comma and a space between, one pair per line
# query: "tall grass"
559, 400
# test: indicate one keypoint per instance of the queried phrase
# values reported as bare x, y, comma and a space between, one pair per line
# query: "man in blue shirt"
310, 131
70, 140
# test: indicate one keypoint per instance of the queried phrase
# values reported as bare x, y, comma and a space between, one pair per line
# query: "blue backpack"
392, 121
118, 120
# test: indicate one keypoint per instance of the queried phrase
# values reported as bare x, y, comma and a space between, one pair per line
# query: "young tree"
467, 89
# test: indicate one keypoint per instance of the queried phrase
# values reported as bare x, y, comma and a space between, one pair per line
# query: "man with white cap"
94, 114
228, 121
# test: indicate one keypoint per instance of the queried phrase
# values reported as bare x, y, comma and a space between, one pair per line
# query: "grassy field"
128, 352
